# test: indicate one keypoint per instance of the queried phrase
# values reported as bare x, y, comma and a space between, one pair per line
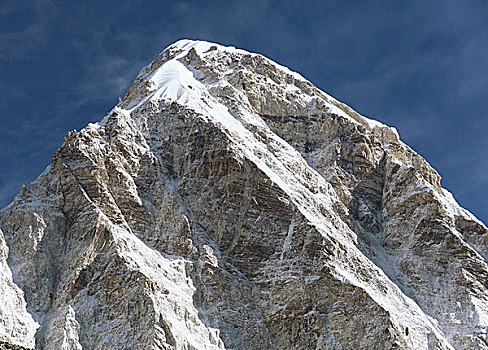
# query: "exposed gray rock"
226, 202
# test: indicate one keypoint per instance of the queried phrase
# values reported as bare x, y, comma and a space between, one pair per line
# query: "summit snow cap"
212, 64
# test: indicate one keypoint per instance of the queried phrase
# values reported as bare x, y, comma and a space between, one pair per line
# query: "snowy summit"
228, 203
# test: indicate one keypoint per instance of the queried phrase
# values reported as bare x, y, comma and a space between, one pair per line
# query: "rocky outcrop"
10, 346
226, 202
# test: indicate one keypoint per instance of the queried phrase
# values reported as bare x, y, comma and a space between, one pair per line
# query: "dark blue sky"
421, 66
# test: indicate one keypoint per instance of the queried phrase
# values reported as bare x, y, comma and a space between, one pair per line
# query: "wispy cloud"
30, 33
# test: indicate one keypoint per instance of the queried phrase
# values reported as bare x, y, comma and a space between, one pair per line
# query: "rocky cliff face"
227, 203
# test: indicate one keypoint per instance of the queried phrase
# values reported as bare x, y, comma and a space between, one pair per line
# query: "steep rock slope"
227, 203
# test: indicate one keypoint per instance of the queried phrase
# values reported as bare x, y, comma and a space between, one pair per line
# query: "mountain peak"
227, 202
211, 64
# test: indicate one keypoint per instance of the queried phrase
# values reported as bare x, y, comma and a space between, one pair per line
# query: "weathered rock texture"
226, 202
